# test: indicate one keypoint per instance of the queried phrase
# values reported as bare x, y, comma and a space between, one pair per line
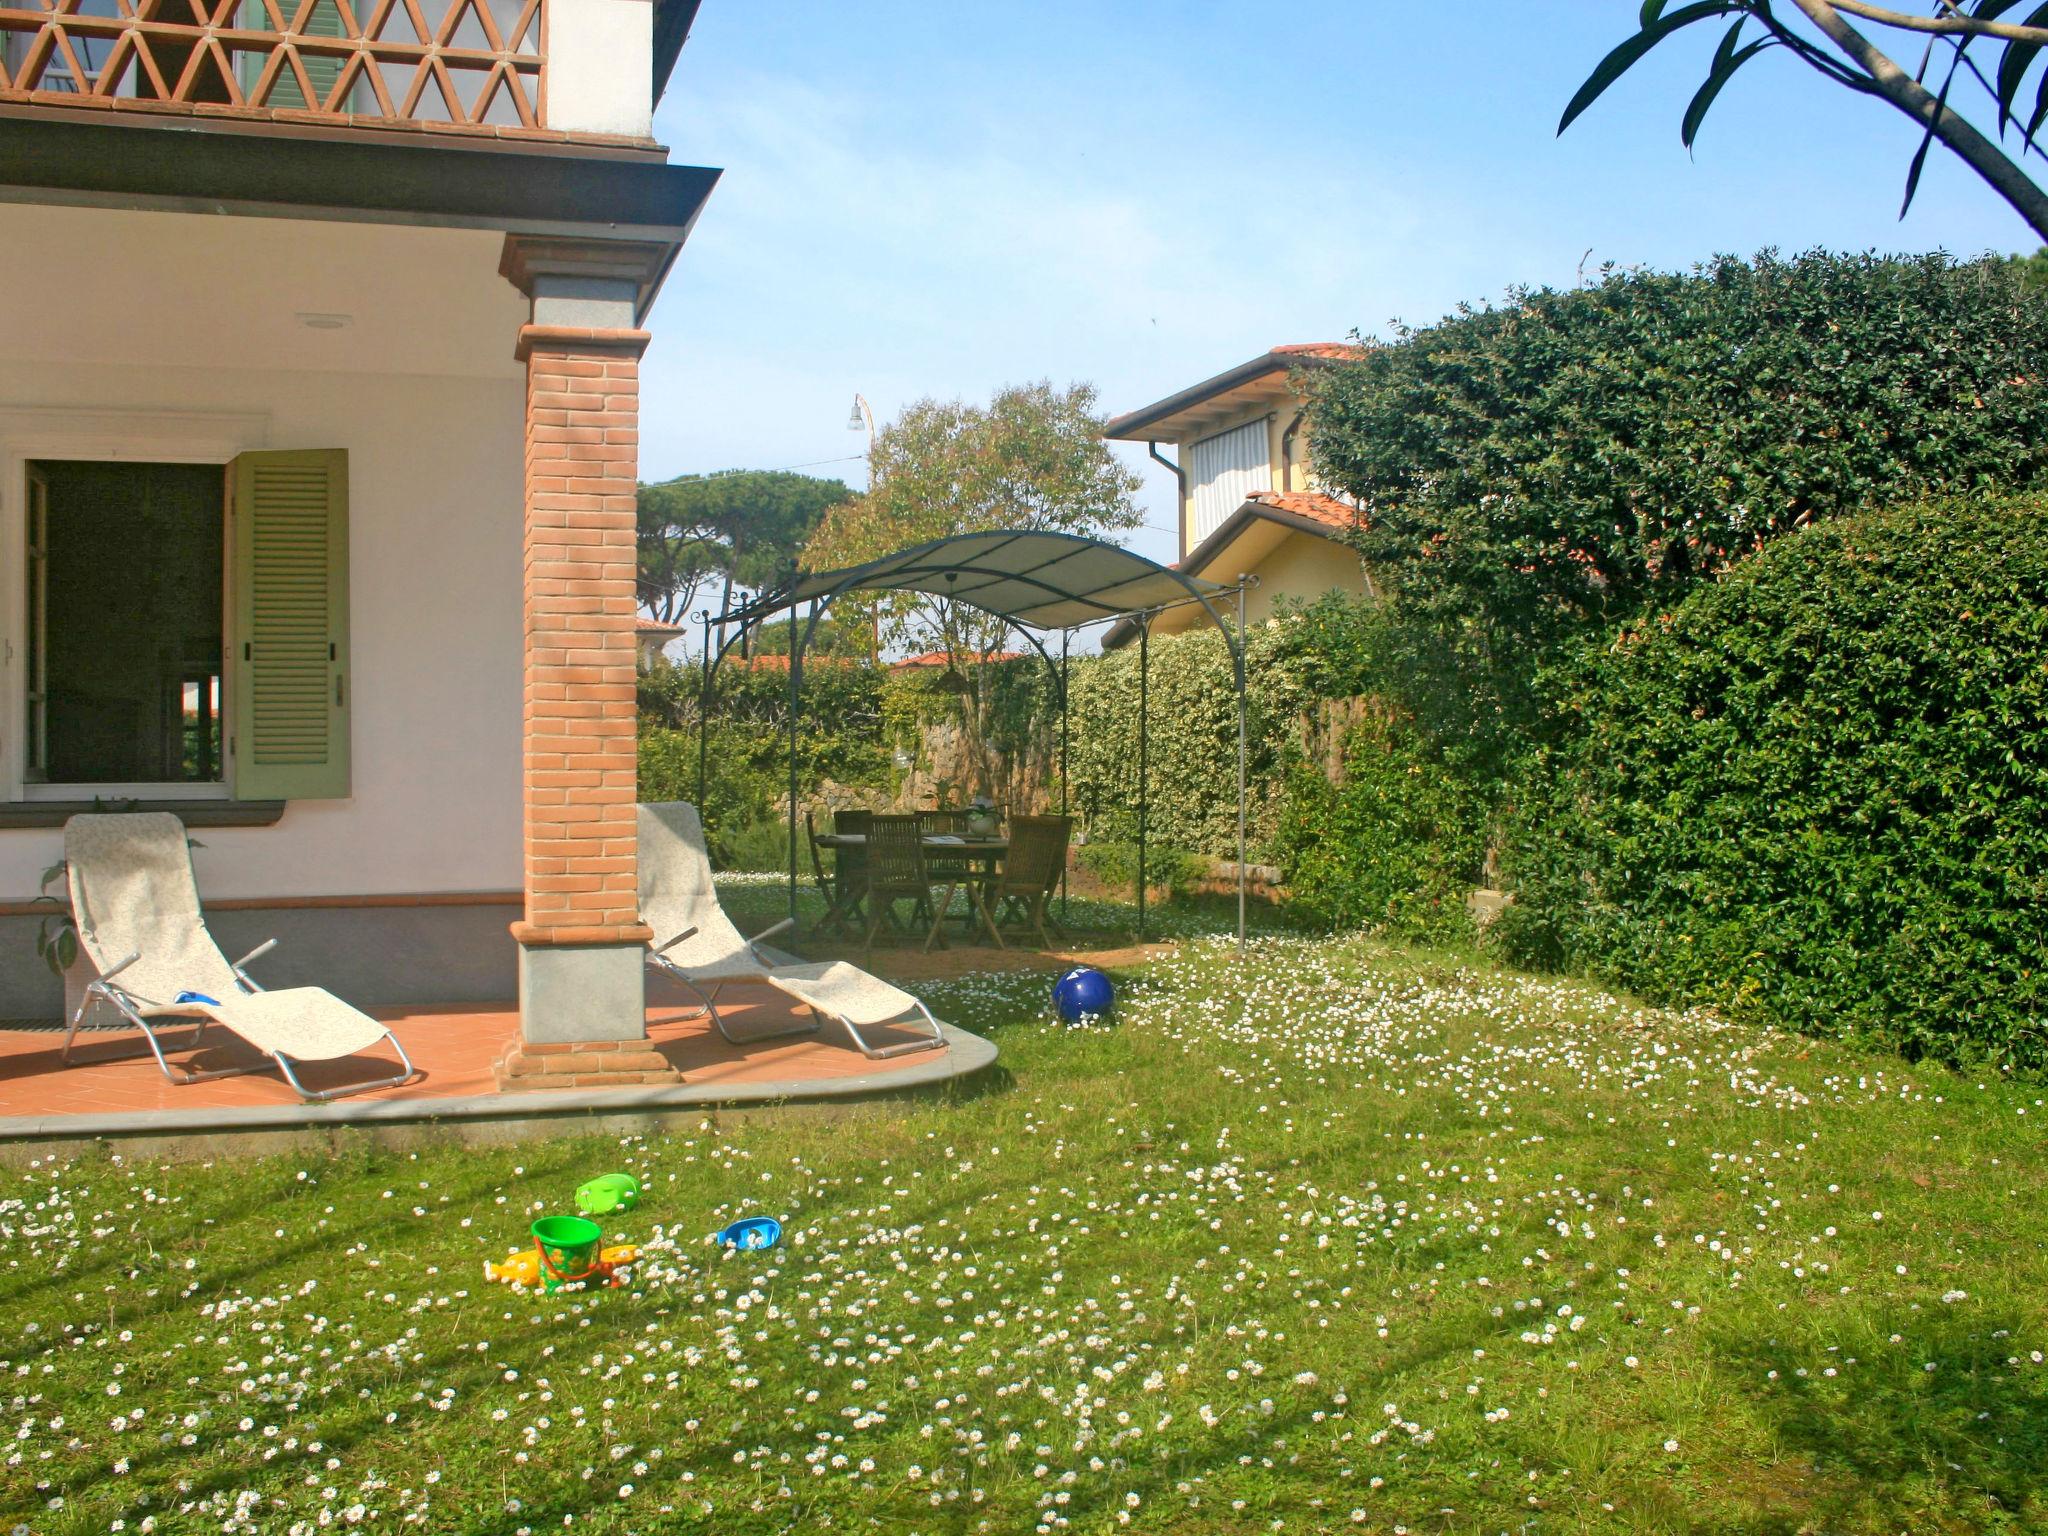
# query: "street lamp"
862, 417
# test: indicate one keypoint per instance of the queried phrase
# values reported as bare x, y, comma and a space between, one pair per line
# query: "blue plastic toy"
750, 1233
1083, 990
197, 997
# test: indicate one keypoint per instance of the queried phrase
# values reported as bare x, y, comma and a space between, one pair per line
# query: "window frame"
105, 436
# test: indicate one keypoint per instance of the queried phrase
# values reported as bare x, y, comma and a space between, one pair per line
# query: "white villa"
318, 446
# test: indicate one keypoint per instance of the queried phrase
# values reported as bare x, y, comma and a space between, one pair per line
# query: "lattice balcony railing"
449, 63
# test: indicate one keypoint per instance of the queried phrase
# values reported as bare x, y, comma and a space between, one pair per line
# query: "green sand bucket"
568, 1249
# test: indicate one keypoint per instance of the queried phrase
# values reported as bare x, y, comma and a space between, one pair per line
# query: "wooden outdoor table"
987, 852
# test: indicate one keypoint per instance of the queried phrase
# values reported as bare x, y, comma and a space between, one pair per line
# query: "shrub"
1191, 766
1395, 846
1116, 866
1817, 791
1568, 460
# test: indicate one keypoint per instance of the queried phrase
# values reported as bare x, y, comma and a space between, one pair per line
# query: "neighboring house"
1247, 504
933, 660
318, 440
654, 639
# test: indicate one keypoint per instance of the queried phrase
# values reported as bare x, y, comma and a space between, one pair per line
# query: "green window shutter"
288, 602
322, 69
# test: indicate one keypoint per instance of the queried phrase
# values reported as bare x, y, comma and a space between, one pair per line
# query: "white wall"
600, 66
435, 470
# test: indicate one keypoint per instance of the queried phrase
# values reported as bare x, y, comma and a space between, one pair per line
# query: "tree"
2032, 271
1032, 458
1835, 48
1533, 475
744, 526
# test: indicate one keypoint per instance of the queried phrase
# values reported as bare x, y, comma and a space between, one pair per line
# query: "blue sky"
927, 198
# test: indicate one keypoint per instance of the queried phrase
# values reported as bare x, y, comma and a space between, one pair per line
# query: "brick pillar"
582, 945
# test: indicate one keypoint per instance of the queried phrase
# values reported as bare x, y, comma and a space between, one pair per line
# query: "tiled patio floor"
455, 1047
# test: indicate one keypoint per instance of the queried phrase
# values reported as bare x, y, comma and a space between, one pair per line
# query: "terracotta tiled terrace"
109, 1089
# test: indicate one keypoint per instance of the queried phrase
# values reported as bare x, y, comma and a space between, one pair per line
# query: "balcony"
463, 67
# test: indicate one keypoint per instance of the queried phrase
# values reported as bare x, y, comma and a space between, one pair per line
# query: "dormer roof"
1194, 411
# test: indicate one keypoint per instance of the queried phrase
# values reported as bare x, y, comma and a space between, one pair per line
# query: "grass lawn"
1353, 1239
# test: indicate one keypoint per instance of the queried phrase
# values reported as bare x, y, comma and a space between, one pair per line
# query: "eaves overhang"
118, 162
1146, 423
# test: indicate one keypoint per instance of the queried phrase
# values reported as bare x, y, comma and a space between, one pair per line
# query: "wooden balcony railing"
454, 65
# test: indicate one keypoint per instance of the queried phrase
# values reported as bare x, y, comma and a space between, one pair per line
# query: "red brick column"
582, 998
582, 453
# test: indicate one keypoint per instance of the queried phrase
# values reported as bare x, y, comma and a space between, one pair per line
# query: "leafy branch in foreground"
1835, 49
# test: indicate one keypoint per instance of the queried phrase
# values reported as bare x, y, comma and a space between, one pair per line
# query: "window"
124, 623
1222, 471
183, 629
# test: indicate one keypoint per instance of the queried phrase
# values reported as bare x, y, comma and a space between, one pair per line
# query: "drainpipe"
1180, 479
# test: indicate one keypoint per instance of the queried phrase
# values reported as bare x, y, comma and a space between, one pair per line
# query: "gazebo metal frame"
1037, 582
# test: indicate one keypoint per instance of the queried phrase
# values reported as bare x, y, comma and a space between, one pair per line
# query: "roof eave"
1134, 426
1227, 533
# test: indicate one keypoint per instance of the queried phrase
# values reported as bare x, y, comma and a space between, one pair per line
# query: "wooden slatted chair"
1030, 874
897, 872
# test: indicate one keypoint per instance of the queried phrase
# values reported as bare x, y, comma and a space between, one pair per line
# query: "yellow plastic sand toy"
523, 1267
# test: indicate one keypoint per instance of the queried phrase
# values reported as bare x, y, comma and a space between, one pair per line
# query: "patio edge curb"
966, 1056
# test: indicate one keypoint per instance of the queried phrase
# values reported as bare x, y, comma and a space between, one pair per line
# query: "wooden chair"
831, 884
950, 868
1030, 874
897, 872
850, 865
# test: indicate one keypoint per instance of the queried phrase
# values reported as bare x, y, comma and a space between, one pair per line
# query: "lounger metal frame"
657, 958
936, 1041
102, 989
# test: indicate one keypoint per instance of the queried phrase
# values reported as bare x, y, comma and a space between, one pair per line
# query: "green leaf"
1926, 139
2040, 109
1623, 57
2013, 65
1727, 60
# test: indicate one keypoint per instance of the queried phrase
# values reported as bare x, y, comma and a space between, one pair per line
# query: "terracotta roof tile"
1332, 350
1312, 505
939, 659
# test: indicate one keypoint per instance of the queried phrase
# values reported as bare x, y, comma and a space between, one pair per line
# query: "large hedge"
1568, 460
1817, 791
1191, 761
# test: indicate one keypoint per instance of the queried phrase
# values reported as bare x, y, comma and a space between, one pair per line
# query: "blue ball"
1083, 990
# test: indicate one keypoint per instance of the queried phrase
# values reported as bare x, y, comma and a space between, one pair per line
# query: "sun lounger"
697, 944
848, 994
136, 904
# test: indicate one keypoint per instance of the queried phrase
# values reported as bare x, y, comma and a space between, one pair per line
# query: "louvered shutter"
322, 69
289, 650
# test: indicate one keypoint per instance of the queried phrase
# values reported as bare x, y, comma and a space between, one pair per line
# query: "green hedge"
1817, 791
746, 796
1191, 768
1556, 465
1396, 846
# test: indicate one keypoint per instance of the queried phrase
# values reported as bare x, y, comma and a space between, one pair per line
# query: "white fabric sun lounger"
136, 904
697, 944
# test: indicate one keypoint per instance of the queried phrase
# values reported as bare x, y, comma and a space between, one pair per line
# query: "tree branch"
1910, 97
1954, 22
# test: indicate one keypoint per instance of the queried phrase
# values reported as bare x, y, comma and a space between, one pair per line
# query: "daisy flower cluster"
1323, 1239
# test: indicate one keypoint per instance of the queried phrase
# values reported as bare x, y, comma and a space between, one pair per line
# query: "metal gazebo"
1040, 583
